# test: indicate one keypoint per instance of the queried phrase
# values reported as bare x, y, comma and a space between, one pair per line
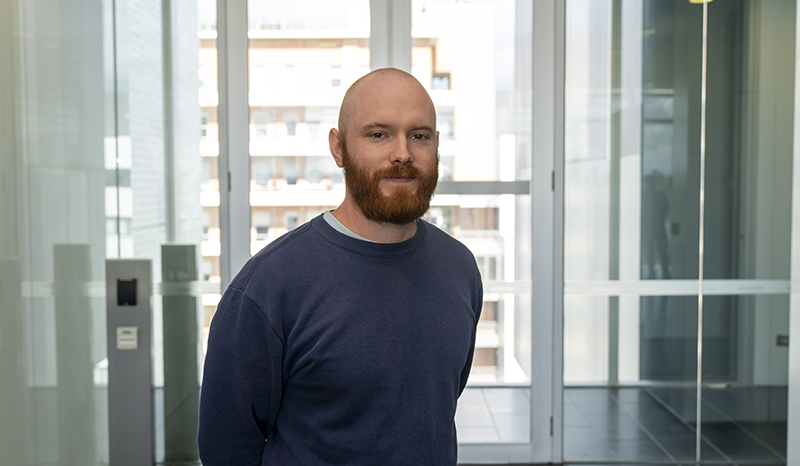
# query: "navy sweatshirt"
330, 350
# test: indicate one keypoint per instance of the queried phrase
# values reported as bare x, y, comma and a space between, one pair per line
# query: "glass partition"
101, 159
678, 161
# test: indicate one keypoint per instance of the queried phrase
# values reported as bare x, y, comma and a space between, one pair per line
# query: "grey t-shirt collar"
337, 225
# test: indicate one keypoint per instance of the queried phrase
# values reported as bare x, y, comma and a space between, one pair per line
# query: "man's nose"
401, 155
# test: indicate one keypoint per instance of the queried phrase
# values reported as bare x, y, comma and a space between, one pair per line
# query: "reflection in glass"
668, 338
670, 139
636, 425
745, 346
748, 140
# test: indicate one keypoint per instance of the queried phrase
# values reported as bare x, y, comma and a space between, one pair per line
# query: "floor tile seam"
652, 438
597, 434
594, 431
508, 403
491, 415
689, 425
745, 430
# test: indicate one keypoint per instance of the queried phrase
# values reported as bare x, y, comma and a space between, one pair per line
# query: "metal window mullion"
547, 201
793, 408
701, 236
390, 34
234, 166
170, 106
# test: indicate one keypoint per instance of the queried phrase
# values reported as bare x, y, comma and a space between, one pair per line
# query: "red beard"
403, 204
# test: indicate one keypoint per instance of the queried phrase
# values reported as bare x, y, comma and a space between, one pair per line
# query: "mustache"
399, 171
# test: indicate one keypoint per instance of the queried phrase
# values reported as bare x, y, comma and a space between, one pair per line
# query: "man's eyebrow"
376, 124
424, 128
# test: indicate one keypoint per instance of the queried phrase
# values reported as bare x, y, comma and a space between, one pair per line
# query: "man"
348, 340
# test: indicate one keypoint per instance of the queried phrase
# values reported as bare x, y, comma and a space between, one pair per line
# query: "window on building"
291, 220
440, 81
290, 119
261, 122
291, 171
314, 170
204, 125
259, 77
261, 172
261, 223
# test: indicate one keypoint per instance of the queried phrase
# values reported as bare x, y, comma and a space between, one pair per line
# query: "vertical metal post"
547, 204
615, 154
234, 158
75, 366
390, 34
701, 235
181, 340
130, 375
793, 414
170, 188
12, 355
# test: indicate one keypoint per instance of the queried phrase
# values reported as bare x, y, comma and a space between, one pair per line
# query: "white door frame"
392, 48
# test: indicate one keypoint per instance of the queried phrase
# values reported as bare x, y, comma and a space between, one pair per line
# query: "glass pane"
586, 147
482, 97
746, 356
302, 58
482, 101
668, 338
101, 161
749, 140
632, 206
208, 96
670, 139
638, 423
54, 91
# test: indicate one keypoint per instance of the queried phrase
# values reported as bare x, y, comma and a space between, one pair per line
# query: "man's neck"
352, 218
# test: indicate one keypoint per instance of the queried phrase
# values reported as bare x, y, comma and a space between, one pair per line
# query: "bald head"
361, 94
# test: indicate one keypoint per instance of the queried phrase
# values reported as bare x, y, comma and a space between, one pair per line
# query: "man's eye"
419, 136
377, 135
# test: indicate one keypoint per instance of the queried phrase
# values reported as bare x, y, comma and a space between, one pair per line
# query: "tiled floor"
639, 425
658, 425
490, 415
601, 426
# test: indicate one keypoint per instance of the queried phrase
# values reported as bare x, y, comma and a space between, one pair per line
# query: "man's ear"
336, 146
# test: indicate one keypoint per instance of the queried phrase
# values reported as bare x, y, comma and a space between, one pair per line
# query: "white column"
390, 34
234, 157
793, 416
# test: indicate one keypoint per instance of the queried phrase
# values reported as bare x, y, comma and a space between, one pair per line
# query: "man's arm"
242, 383
477, 306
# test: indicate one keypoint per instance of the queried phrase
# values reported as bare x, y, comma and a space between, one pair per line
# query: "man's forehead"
383, 95
386, 100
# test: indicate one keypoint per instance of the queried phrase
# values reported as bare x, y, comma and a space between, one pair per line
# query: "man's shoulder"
280, 253
442, 243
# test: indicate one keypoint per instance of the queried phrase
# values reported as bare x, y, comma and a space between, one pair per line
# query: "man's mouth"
400, 179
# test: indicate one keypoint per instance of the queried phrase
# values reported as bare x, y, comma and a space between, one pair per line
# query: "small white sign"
127, 338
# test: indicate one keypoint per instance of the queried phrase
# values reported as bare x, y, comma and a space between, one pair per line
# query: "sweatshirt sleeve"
477, 307
241, 389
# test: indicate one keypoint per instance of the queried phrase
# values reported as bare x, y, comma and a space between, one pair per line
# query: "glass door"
677, 181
